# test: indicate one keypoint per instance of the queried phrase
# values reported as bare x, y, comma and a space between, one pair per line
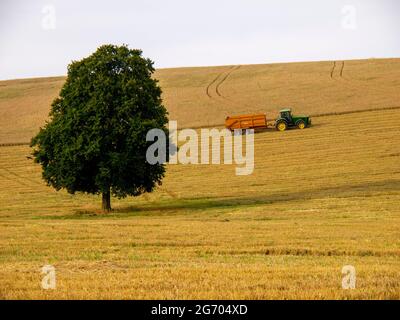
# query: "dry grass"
308, 87
24, 106
199, 97
319, 199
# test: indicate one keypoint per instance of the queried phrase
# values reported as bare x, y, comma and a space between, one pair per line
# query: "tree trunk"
106, 205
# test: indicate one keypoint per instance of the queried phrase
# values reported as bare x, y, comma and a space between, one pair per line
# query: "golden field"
199, 97
318, 199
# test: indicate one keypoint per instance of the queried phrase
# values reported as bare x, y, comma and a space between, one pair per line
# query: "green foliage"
95, 141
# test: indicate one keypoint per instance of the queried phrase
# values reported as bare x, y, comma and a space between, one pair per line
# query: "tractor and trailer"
259, 121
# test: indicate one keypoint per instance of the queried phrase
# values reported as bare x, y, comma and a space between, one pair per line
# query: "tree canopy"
95, 140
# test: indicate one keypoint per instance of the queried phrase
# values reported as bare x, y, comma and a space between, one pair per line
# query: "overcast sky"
40, 38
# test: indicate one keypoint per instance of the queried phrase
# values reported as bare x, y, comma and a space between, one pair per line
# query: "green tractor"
287, 120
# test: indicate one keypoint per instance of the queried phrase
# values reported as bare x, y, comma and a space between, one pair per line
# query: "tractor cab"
287, 120
287, 115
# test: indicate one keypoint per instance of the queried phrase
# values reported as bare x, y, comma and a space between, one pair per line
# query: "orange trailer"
254, 121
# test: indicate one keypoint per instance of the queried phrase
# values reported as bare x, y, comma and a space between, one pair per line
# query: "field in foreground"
319, 199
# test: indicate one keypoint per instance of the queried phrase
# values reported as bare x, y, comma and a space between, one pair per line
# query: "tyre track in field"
224, 79
354, 84
222, 96
218, 81
358, 84
21, 180
333, 69
211, 83
342, 69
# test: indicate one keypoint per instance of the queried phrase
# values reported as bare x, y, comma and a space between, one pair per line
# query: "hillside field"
319, 199
199, 97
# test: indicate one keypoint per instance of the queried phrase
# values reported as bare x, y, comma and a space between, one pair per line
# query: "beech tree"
95, 139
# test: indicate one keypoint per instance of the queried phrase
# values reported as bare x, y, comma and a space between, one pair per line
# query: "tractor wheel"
301, 125
281, 126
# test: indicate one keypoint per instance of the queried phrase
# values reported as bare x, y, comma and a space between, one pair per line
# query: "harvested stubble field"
318, 199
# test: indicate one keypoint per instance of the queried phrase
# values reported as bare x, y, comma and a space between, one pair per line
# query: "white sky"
173, 33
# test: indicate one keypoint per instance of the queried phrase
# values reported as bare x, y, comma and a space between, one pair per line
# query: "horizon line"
217, 66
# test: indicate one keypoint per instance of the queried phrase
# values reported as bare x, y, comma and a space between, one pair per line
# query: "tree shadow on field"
192, 205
